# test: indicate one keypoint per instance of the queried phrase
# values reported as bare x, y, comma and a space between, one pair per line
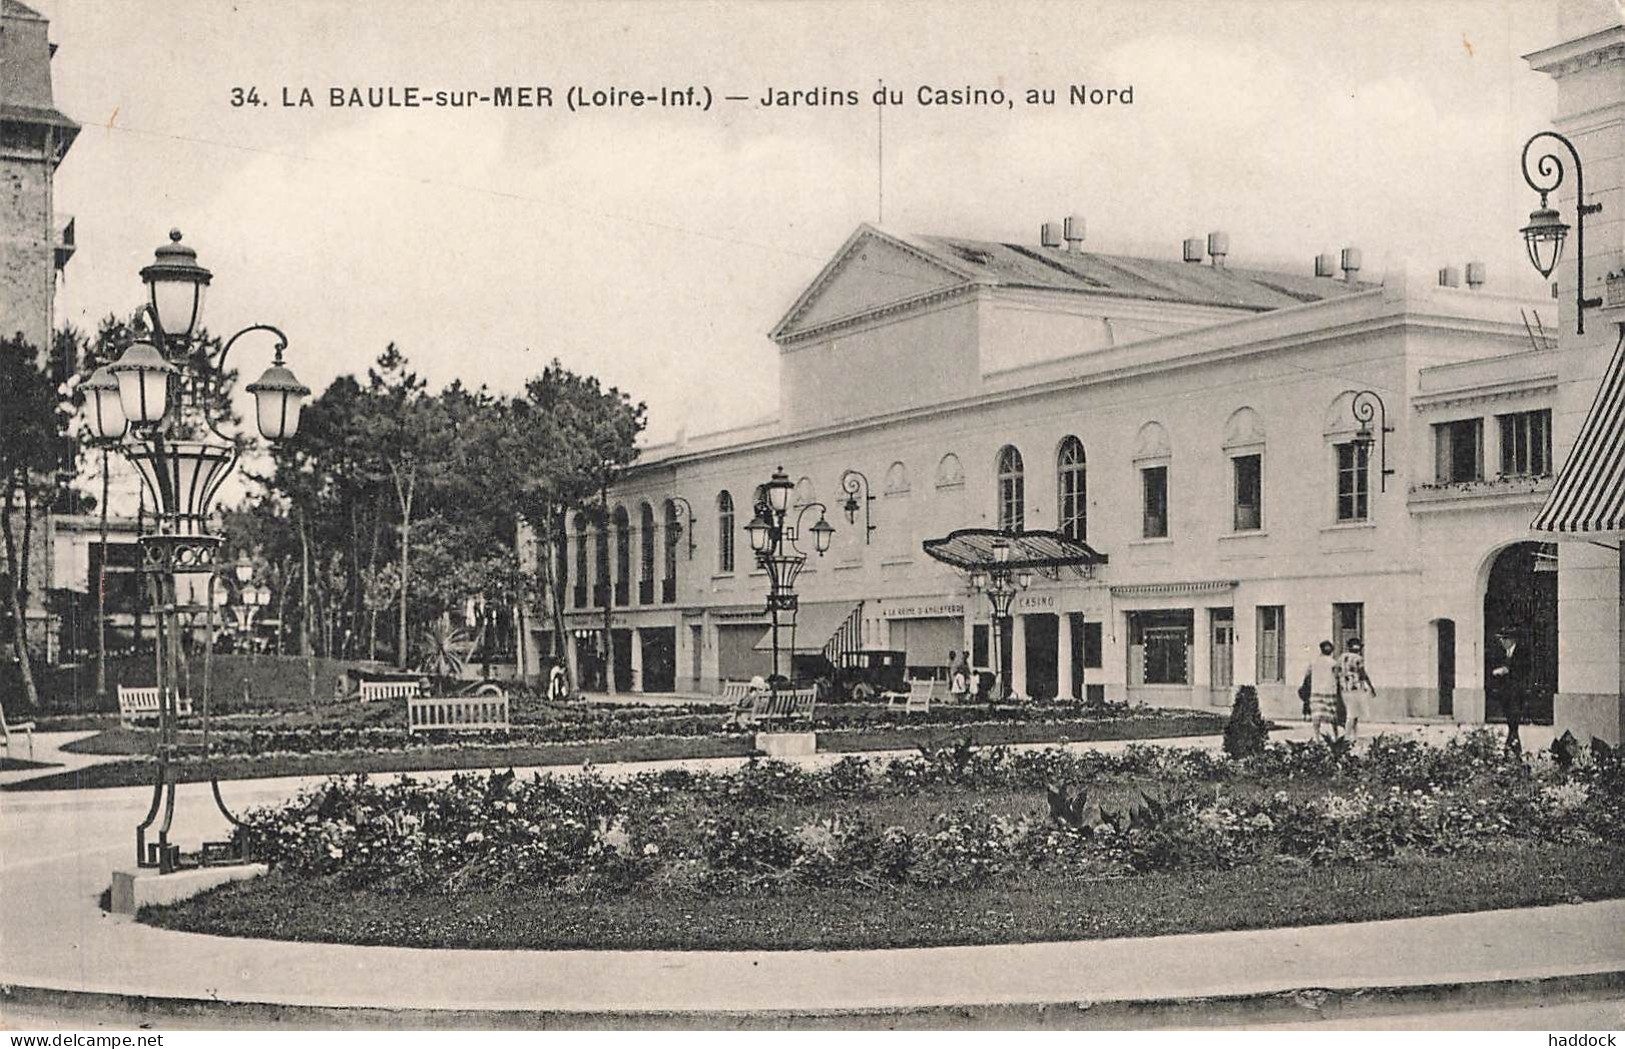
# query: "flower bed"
777, 828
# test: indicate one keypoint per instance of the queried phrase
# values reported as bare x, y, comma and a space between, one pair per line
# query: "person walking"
1319, 691
958, 677
1358, 691
1509, 671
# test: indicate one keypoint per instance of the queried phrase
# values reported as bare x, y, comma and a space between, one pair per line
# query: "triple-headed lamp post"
774, 542
160, 401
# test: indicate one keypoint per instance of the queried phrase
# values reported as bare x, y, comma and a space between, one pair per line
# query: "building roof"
1161, 280
25, 70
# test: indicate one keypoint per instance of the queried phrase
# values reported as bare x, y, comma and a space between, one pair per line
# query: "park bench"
785, 705
735, 691
135, 703
371, 690
917, 698
457, 713
25, 727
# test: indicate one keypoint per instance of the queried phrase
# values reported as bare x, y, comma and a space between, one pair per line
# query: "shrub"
1246, 732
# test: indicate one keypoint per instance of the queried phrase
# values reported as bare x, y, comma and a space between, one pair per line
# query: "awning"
1588, 497
814, 624
971, 549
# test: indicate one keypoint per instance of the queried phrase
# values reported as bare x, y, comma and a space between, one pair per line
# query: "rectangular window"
1271, 643
1353, 481
1249, 515
1458, 451
1091, 646
1526, 444
1159, 646
1348, 620
1154, 484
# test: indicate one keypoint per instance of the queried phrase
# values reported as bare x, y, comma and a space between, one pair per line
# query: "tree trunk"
304, 587
609, 598
14, 598
101, 593
404, 490
562, 649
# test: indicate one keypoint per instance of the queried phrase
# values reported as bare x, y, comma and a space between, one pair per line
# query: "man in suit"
1509, 675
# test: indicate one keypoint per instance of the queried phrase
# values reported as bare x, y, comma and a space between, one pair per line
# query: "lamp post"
1367, 406
1544, 236
167, 396
1001, 585
853, 482
106, 413
774, 541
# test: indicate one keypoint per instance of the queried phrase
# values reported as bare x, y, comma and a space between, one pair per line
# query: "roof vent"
1218, 246
1475, 275
1049, 235
1450, 277
1326, 265
1351, 264
1193, 249
1072, 230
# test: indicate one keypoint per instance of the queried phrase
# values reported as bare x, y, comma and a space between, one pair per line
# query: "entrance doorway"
659, 659
1223, 651
1043, 642
1447, 665
1522, 596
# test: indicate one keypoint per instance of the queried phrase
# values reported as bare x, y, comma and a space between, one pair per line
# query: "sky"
656, 247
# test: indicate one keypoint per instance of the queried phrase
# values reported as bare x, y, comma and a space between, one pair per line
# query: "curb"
1306, 1005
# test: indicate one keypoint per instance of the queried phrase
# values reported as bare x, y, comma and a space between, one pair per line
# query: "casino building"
1254, 460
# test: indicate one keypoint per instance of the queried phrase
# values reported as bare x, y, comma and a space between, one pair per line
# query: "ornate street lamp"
167, 399
1001, 586
1367, 406
853, 482
1544, 236
774, 541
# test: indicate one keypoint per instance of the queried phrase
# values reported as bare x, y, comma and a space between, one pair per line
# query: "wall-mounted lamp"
679, 527
1544, 236
1365, 407
853, 482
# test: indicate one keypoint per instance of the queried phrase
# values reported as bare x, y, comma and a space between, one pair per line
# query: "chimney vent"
1475, 275
1326, 265
1218, 246
1072, 231
1193, 249
1351, 264
1049, 235
1450, 277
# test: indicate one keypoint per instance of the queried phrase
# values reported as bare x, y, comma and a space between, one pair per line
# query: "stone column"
1114, 656
1063, 656
1200, 669
637, 660
1018, 654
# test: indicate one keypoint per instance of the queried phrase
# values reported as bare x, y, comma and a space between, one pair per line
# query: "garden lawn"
1039, 907
952, 845
870, 733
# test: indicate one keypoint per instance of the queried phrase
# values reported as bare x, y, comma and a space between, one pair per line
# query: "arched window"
805, 493
601, 580
897, 479
646, 554
950, 474
1072, 489
1012, 490
725, 532
668, 583
623, 556
581, 561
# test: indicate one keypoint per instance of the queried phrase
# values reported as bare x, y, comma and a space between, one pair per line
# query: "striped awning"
1588, 497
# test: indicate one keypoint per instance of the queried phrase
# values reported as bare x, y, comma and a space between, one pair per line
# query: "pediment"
872, 271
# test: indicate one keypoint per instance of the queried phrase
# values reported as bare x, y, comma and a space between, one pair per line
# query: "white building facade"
1193, 421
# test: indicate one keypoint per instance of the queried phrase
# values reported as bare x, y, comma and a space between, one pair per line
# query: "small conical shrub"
1246, 733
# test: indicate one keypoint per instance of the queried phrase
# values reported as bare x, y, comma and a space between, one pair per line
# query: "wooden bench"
457, 713
25, 727
134, 703
735, 691
785, 705
917, 698
371, 690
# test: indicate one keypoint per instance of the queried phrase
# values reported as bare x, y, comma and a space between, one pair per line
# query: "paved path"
48, 751
57, 849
